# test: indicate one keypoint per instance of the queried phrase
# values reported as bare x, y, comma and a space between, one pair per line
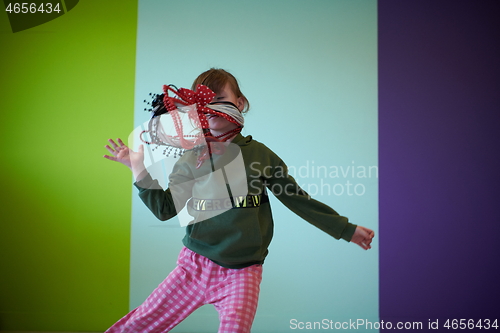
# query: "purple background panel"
439, 135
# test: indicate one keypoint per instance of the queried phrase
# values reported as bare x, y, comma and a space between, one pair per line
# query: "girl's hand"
124, 155
363, 237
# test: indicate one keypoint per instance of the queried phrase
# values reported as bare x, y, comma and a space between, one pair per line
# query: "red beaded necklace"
180, 142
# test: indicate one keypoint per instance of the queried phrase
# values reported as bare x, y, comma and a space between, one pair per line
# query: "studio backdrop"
309, 71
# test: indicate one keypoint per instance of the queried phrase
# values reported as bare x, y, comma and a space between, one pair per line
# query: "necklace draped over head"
167, 110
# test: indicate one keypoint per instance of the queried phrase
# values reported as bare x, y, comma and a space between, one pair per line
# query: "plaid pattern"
197, 281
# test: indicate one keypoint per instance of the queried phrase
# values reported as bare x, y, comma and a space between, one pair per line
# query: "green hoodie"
234, 227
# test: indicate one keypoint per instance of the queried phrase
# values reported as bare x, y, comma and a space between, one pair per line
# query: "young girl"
226, 244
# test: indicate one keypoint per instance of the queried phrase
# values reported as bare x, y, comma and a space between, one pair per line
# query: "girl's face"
227, 95
219, 125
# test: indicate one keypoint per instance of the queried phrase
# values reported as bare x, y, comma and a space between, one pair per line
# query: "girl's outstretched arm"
126, 156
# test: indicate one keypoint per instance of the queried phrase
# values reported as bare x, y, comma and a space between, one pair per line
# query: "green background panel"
66, 87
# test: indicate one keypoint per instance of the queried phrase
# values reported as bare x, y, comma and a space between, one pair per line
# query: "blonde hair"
216, 79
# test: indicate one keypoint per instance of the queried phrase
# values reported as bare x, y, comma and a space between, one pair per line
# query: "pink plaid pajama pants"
197, 281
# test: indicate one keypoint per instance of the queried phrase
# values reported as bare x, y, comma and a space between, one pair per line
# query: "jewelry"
194, 105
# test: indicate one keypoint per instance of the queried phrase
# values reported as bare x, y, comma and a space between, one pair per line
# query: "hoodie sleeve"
322, 216
165, 204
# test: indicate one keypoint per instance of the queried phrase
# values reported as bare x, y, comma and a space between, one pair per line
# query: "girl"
226, 243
